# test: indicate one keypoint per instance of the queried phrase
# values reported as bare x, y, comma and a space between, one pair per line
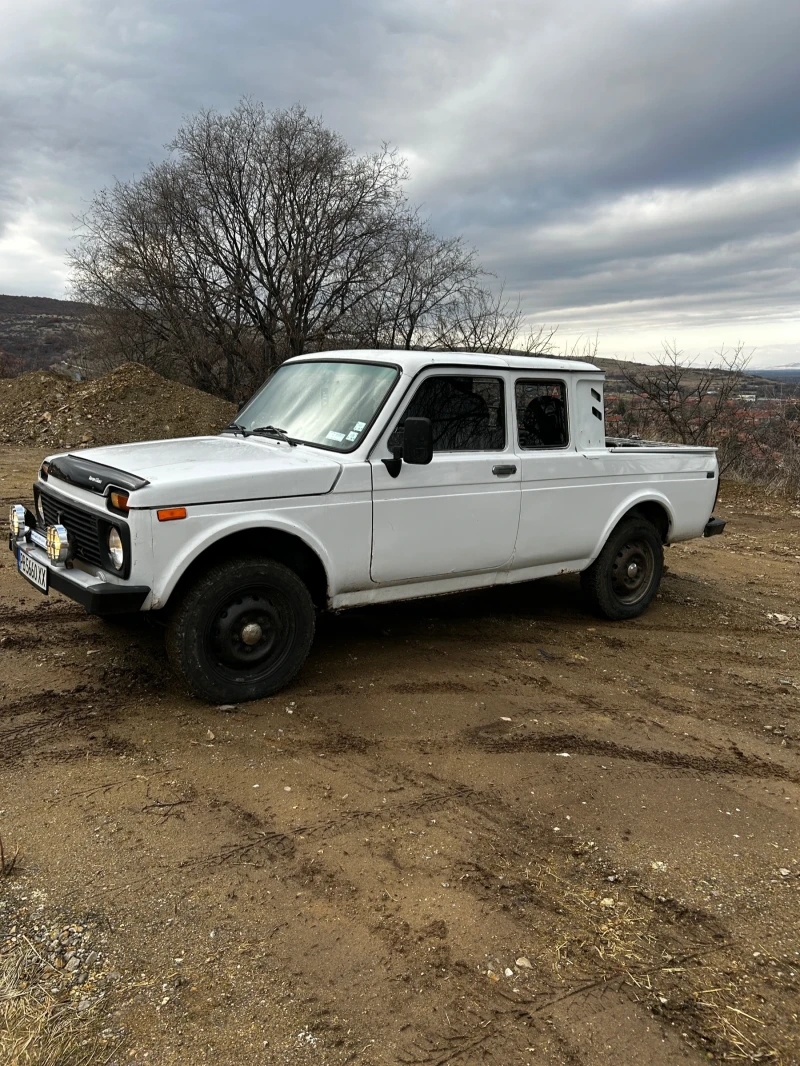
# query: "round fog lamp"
16, 519
57, 544
116, 551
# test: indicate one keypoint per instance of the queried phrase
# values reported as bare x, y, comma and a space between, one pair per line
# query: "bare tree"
678, 400
264, 236
480, 320
258, 239
426, 275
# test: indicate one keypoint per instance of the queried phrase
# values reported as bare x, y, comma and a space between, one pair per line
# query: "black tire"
206, 641
624, 578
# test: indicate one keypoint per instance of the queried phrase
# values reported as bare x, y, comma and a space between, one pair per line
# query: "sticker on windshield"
351, 436
359, 426
333, 435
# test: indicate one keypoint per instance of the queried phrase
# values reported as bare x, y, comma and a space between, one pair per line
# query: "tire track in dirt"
62, 720
497, 1025
21, 616
740, 764
282, 840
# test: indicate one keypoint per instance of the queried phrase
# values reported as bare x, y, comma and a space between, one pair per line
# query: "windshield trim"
332, 359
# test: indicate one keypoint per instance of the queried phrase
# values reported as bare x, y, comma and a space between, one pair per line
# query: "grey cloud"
537, 128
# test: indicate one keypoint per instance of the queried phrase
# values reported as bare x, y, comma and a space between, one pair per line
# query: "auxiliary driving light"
16, 519
57, 544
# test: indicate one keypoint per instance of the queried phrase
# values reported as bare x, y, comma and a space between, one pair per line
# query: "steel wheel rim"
250, 633
632, 571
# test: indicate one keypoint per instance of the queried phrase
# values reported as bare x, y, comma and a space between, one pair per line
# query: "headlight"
116, 551
57, 544
16, 519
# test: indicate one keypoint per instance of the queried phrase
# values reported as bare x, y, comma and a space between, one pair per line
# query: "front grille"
82, 526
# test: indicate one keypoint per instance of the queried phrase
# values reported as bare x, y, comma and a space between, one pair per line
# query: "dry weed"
38, 1028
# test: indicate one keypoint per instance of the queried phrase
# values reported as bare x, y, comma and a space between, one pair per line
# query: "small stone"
524, 963
508, 971
210, 735
492, 975
784, 872
84, 1005
607, 902
227, 707
73, 965
91, 958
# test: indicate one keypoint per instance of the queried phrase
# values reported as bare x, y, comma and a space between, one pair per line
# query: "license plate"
35, 572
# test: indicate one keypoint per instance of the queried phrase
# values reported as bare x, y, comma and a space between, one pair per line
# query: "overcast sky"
629, 167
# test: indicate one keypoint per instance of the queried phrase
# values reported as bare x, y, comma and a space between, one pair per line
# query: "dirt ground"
482, 829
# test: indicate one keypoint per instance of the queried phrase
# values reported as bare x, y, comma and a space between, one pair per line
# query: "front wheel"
242, 631
625, 576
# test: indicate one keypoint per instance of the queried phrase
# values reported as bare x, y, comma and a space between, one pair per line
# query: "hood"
197, 470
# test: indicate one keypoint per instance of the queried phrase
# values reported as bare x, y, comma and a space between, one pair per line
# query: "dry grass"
690, 980
38, 1028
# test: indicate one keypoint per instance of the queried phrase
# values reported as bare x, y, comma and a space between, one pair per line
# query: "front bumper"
98, 597
713, 527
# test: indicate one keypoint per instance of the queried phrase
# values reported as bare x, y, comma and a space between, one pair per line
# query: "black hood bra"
87, 474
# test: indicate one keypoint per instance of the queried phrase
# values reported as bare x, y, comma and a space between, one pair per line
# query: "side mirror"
418, 441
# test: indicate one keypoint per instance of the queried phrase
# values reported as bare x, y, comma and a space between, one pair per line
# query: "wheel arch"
655, 508
284, 546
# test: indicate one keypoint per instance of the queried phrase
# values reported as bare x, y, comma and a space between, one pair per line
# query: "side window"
541, 414
467, 413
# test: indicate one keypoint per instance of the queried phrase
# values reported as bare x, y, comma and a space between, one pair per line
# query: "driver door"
460, 513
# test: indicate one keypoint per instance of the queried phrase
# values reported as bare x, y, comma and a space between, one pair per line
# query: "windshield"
326, 403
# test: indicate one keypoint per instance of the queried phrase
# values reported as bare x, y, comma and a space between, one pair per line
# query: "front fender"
174, 551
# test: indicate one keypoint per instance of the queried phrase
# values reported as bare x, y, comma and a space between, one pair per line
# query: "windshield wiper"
277, 434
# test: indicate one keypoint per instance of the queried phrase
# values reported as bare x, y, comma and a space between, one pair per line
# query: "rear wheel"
624, 578
242, 631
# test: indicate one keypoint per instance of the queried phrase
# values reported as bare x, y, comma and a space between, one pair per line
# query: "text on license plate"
35, 572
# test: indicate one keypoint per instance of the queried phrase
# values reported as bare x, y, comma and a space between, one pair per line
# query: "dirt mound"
129, 403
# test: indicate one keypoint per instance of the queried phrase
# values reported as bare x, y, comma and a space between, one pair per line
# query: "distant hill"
36, 331
764, 383
789, 375
40, 305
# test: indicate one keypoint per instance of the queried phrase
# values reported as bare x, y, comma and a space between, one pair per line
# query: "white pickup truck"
361, 477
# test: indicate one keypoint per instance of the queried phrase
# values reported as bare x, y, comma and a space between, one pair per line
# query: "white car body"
450, 525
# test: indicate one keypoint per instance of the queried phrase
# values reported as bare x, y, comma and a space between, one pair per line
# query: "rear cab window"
541, 408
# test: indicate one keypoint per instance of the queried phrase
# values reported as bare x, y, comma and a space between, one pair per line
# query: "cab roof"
411, 362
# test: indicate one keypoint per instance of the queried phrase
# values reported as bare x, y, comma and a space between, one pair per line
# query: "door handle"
504, 471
